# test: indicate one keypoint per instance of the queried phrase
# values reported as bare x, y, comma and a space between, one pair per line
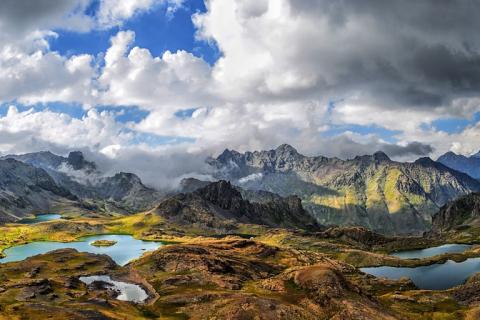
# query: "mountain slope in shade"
371, 191
469, 165
122, 193
219, 207
464, 211
25, 189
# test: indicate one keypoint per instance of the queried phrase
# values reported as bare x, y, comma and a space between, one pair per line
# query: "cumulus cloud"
288, 72
167, 83
115, 12
19, 19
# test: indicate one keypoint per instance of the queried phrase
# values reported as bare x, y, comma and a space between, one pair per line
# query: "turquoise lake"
40, 218
126, 249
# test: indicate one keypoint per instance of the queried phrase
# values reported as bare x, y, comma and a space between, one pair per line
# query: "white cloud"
170, 82
96, 129
115, 12
282, 62
44, 76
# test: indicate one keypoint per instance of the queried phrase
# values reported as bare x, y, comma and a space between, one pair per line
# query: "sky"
155, 86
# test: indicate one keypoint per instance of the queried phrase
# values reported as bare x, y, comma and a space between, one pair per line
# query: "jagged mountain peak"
286, 148
381, 156
370, 190
449, 154
378, 156
123, 191
78, 162
220, 206
228, 155
425, 160
220, 193
469, 165
129, 177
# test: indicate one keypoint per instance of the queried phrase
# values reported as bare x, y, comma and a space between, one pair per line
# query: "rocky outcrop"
463, 212
371, 191
244, 279
220, 207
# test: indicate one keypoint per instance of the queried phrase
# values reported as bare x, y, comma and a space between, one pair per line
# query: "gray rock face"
462, 212
220, 207
371, 191
469, 165
121, 193
25, 189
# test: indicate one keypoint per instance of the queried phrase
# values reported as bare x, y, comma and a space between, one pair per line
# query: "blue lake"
433, 251
40, 218
126, 249
432, 277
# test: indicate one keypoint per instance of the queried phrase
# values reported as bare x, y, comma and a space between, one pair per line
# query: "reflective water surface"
433, 251
432, 277
126, 249
128, 291
40, 218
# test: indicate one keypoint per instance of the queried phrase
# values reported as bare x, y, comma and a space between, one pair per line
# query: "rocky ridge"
220, 207
122, 193
460, 213
469, 165
371, 191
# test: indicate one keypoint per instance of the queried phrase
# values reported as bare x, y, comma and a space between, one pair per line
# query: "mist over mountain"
77, 179
25, 189
371, 190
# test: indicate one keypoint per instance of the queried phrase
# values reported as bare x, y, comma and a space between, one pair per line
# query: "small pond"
432, 277
40, 218
126, 248
127, 291
433, 251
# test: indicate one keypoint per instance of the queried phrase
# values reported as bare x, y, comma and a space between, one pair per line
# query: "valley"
219, 250
278, 273
239, 160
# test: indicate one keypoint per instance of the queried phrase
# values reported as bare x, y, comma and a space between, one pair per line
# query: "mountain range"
221, 207
469, 165
372, 190
37, 182
277, 188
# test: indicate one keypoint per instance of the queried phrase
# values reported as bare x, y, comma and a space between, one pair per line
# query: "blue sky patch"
126, 114
455, 125
185, 113
155, 30
155, 140
72, 109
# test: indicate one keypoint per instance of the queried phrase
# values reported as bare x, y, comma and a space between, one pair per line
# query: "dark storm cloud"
411, 149
346, 148
413, 54
20, 17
